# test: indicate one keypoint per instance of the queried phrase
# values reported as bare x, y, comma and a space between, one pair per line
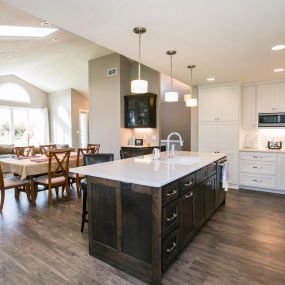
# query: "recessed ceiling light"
211, 78
61, 49
278, 69
278, 47
45, 23
18, 31
56, 39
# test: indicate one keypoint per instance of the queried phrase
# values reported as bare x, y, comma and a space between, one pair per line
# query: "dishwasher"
221, 193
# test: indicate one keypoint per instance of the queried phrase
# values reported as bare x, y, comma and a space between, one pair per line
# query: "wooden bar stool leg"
17, 193
2, 199
56, 192
78, 187
50, 196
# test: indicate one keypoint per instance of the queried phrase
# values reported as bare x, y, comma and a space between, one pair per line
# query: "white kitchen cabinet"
271, 98
219, 103
233, 168
208, 136
208, 104
249, 107
227, 137
281, 171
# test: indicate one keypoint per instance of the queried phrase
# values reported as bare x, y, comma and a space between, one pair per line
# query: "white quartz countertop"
263, 150
146, 171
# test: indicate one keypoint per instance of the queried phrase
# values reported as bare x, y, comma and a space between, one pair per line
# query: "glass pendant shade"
171, 96
139, 86
191, 102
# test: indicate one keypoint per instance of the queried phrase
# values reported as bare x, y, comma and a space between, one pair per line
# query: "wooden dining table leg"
32, 190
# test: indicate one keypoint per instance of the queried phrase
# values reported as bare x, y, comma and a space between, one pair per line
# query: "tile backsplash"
258, 138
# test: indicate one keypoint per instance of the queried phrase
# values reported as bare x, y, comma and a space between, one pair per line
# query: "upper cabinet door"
248, 107
228, 103
265, 98
279, 99
208, 104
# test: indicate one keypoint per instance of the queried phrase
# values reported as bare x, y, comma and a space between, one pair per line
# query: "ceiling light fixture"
18, 31
190, 102
278, 47
171, 96
211, 78
139, 86
278, 69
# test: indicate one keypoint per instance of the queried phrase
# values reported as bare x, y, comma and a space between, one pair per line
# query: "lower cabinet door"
210, 195
199, 205
186, 218
170, 248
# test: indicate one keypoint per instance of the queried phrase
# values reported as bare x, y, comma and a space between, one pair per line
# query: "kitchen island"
143, 212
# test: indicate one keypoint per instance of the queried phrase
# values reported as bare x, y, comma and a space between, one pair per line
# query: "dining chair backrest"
82, 152
25, 151
97, 158
58, 163
97, 147
125, 153
47, 148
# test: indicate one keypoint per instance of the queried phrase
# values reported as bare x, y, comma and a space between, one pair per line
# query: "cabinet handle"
172, 218
209, 183
256, 167
188, 183
171, 193
255, 180
172, 248
255, 156
189, 195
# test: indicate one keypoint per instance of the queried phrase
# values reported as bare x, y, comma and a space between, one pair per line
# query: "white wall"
39, 98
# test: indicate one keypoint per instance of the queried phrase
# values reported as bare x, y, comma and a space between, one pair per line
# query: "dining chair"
125, 153
89, 159
97, 147
44, 149
25, 151
10, 183
74, 177
58, 167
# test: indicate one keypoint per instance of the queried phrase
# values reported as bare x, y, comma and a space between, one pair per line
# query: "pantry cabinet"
249, 107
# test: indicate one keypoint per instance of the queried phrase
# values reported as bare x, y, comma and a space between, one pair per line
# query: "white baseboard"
262, 189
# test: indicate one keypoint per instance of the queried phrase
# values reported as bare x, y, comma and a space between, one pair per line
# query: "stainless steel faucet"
172, 153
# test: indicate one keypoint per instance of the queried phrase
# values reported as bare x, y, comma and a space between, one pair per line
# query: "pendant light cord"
171, 72
139, 66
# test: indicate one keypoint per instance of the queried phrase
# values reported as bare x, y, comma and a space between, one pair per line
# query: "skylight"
18, 31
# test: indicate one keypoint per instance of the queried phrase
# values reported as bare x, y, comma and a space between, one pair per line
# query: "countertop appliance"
271, 120
274, 145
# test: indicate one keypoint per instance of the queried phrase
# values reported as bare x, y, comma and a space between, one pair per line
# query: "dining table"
29, 167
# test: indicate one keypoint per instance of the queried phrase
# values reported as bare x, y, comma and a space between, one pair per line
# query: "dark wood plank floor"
243, 243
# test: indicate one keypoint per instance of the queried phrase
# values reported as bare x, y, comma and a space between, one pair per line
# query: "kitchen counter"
142, 212
148, 172
263, 150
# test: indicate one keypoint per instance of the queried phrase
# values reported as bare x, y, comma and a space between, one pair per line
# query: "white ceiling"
228, 39
42, 61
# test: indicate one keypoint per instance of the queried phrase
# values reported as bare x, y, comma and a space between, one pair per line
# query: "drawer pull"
209, 183
256, 167
255, 156
172, 218
188, 183
172, 248
189, 195
255, 180
171, 193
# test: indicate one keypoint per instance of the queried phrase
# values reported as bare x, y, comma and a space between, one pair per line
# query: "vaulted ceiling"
230, 40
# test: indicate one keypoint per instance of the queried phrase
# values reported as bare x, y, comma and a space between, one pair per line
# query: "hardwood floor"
243, 243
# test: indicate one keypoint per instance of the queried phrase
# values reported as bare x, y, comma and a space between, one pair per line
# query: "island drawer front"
187, 183
256, 180
170, 217
258, 156
201, 175
169, 193
212, 169
170, 248
258, 167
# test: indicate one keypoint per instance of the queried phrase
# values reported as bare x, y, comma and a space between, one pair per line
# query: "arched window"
14, 92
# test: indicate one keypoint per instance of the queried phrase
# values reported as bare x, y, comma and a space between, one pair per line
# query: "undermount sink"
182, 160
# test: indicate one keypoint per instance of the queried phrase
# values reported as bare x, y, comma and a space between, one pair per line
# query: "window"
16, 123
14, 93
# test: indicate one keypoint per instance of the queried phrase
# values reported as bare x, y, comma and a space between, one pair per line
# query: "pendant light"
139, 86
171, 96
190, 102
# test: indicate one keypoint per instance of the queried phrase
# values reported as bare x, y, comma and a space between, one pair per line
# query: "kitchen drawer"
258, 156
255, 180
170, 217
212, 169
258, 167
169, 193
170, 248
201, 175
187, 183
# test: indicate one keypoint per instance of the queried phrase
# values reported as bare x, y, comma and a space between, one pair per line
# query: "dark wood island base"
140, 229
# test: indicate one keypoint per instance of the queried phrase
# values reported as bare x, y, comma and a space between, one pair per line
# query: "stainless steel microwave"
272, 120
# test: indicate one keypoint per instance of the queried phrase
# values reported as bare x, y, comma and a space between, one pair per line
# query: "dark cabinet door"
140, 111
199, 205
210, 195
186, 218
